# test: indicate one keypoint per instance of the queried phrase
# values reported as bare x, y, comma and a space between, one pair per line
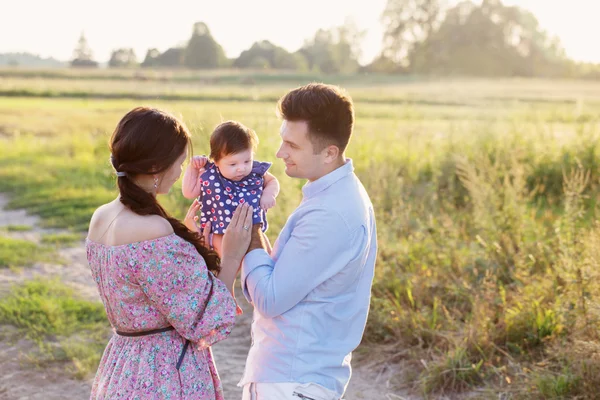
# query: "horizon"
285, 28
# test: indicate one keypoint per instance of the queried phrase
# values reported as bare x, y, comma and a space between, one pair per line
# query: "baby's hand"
267, 202
198, 162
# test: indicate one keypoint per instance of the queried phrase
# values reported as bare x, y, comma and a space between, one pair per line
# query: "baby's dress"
220, 196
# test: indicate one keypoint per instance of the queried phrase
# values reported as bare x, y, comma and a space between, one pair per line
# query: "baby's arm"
270, 192
191, 179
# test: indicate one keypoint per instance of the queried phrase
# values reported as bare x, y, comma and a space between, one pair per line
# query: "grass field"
47, 309
485, 194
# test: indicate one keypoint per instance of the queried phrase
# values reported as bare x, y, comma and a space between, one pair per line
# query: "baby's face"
236, 166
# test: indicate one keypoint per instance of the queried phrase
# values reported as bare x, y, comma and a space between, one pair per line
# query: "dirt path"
20, 379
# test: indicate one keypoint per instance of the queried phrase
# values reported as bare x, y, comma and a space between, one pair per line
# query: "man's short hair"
328, 111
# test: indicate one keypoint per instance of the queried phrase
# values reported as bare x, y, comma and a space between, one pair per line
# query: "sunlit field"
485, 194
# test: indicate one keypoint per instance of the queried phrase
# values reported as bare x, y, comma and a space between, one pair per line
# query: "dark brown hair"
231, 137
149, 141
328, 112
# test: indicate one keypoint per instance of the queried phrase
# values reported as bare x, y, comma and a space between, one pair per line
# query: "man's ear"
332, 153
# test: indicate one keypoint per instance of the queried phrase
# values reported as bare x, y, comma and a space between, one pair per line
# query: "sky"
52, 28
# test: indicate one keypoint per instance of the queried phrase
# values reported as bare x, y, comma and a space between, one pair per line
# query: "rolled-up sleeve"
320, 246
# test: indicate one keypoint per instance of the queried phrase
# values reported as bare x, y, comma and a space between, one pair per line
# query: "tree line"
428, 37
329, 51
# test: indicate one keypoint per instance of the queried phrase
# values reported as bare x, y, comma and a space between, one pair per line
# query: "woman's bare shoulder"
113, 224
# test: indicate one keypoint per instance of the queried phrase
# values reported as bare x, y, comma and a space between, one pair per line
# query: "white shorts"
287, 391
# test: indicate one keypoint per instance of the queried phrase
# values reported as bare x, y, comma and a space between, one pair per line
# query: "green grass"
453, 372
62, 239
19, 228
65, 327
161, 75
560, 386
20, 253
485, 195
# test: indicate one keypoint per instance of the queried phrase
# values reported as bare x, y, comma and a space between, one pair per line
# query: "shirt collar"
310, 189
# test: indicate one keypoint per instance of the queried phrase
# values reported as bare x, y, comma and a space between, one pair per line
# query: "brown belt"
154, 332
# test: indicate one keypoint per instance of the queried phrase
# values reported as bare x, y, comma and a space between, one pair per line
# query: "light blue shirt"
311, 297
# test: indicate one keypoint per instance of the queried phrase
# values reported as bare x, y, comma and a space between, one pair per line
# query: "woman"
167, 296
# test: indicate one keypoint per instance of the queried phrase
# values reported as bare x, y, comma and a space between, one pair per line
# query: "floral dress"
151, 285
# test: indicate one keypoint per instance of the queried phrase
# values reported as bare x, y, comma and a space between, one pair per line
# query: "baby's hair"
231, 137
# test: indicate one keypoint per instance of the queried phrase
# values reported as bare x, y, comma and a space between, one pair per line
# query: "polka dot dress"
220, 196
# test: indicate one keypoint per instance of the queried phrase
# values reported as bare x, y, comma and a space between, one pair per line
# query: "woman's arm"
235, 244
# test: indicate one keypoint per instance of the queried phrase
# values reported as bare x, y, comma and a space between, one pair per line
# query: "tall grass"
482, 267
487, 267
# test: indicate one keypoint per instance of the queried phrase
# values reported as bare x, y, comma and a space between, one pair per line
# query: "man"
311, 294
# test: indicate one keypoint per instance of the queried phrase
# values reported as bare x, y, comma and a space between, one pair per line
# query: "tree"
29, 60
173, 57
292, 61
151, 59
202, 50
350, 39
123, 58
334, 51
540, 54
408, 23
82, 55
490, 40
267, 55
382, 64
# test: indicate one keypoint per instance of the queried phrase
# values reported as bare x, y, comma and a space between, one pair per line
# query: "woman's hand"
191, 218
206, 235
237, 235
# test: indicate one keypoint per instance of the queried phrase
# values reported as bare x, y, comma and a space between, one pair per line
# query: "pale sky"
51, 28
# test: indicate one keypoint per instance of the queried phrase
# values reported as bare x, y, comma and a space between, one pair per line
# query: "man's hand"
257, 240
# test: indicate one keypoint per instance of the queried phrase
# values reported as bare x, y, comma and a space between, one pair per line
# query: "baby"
231, 177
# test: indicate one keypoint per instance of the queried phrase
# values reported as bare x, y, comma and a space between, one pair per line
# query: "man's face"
297, 152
